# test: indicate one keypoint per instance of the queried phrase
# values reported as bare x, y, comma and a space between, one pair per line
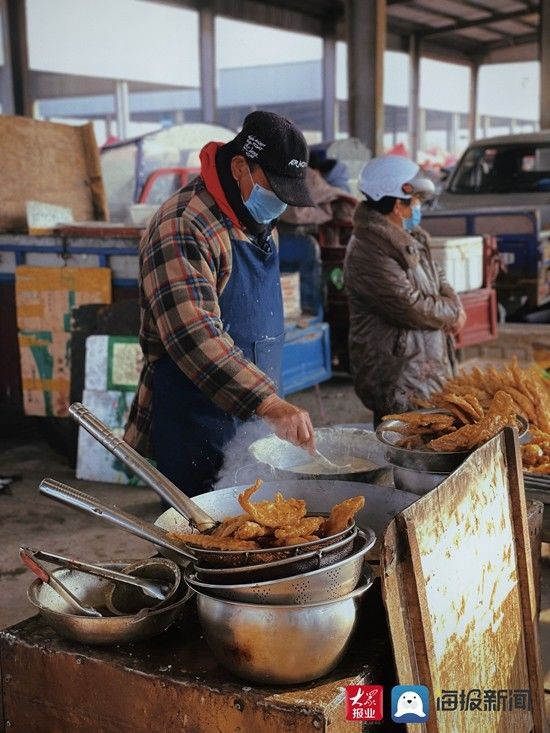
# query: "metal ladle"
152, 588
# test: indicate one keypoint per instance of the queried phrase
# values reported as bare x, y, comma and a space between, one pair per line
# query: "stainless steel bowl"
324, 584
280, 644
124, 600
107, 630
439, 462
416, 482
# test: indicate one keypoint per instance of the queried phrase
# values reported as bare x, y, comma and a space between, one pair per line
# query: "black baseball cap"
280, 149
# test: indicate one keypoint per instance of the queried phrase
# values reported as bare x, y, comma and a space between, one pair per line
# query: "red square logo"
364, 702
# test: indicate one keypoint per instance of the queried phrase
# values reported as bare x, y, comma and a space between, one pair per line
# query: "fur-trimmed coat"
400, 303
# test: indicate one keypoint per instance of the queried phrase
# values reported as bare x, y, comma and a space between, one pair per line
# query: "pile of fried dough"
481, 403
275, 522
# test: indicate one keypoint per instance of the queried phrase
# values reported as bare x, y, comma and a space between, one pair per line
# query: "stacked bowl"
287, 621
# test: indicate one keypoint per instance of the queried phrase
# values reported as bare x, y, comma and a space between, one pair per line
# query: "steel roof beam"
462, 25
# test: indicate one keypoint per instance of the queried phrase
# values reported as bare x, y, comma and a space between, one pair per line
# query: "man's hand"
288, 421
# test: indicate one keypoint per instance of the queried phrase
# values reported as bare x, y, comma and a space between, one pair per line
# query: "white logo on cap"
298, 163
253, 146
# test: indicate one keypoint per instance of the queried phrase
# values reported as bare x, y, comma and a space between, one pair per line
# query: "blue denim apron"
189, 432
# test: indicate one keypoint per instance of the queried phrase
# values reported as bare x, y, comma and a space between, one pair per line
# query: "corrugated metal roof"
468, 28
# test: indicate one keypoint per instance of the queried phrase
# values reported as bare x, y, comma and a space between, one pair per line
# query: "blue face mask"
262, 204
414, 219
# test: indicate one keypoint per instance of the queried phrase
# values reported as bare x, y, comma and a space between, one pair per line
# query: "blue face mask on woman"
263, 205
414, 219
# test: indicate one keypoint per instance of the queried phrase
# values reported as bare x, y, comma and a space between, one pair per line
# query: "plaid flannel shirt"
185, 262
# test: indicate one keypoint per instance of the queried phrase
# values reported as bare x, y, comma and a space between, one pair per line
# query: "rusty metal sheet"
458, 583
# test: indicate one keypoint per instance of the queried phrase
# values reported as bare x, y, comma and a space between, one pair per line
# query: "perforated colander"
325, 584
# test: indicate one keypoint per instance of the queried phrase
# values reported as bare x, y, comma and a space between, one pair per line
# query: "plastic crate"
306, 358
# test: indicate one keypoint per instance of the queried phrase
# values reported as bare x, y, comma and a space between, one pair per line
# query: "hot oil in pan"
351, 463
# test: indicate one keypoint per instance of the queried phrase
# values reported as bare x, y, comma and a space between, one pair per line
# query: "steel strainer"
324, 584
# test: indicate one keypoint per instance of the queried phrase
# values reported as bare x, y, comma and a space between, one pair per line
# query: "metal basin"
424, 460
416, 482
280, 644
341, 445
108, 630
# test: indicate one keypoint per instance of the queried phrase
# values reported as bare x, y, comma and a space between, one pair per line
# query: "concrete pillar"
122, 109
329, 87
422, 129
472, 116
544, 56
414, 93
17, 56
207, 55
452, 132
366, 36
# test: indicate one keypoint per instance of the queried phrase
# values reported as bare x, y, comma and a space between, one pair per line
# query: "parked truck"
501, 187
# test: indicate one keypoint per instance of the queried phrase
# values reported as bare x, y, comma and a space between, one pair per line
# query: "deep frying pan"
196, 516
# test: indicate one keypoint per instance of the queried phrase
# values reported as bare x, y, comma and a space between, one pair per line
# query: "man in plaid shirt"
211, 307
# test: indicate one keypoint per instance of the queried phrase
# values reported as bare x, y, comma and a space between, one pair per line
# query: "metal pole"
122, 108
472, 117
329, 87
19, 57
414, 94
544, 56
207, 54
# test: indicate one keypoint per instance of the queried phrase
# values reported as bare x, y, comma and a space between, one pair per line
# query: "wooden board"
52, 163
459, 592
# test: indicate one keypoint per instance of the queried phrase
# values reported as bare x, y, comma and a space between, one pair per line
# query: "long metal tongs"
142, 468
49, 578
89, 504
152, 588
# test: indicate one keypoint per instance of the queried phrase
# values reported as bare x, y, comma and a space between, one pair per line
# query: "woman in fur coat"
403, 312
